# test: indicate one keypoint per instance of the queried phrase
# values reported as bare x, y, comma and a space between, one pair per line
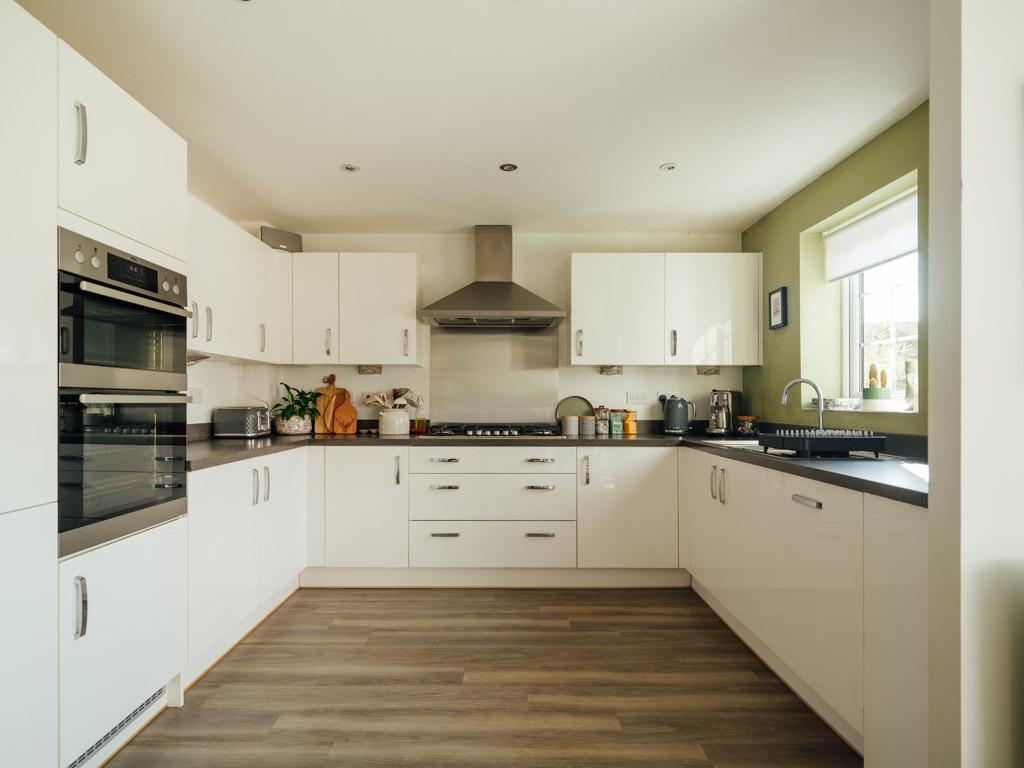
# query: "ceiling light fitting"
667, 167
350, 168
508, 167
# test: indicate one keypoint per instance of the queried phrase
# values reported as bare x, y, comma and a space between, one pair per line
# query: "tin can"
629, 422
615, 419
601, 415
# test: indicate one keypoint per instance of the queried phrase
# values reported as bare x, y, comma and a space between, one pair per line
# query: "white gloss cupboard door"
627, 515
712, 309
119, 165
276, 286
315, 308
278, 531
895, 634
816, 589
617, 315
217, 281
122, 630
223, 553
28, 603
28, 257
366, 507
300, 491
685, 505
377, 301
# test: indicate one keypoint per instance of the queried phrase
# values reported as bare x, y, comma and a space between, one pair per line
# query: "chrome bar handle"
327, 342
721, 485
675, 342
444, 461
444, 535
538, 535
586, 470
540, 487
266, 482
209, 323
405, 342
714, 471
82, 146
167, 486
195, 320
82, 623
579, 342
99, 398
255, 487
263, 337
398, 470
444, 487
545, 460
807, 501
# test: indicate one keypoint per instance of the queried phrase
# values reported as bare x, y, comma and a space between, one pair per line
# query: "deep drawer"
493, 459
492, 544
492, 497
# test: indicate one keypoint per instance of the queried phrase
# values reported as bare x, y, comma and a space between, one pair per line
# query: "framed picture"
778, 316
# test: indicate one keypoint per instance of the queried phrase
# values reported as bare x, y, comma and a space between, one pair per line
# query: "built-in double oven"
121, 393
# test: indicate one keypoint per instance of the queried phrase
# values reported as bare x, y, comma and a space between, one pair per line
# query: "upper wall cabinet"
315, 308
377, 298
120, 167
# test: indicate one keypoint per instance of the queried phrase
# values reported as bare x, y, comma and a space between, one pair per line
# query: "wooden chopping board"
337, 414
345, 419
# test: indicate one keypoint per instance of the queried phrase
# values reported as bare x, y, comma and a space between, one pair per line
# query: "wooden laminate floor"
524, 678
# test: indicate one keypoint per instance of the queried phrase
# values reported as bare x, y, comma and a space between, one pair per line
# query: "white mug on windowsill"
394, 422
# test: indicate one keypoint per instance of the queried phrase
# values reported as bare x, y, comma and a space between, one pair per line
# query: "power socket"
667, 395
638, 398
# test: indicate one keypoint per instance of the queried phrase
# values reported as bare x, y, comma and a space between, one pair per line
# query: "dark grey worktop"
888, 477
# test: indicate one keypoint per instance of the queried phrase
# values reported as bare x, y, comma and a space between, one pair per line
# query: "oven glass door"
119, 453
125, 341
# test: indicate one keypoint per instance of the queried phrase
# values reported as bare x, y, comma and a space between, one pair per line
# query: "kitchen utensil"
571, 426
678, 414
337, 414
574, 405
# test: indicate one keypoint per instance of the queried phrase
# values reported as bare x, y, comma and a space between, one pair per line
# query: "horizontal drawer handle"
807, 501
444, 461
445, 535
168, 486
444, 487
538, 535
545, 460
540, 487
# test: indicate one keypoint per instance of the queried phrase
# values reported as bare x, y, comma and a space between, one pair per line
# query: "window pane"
904, 270
877, 278
904, 308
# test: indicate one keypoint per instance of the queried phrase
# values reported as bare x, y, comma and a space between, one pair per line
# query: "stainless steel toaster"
244, 421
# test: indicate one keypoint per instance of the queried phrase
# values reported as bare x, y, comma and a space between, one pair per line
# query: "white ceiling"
752, 99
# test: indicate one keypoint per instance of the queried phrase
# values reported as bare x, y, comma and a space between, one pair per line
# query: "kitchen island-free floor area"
489, 677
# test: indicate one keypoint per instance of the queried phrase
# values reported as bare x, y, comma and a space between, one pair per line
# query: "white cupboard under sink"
377, 304
315, 308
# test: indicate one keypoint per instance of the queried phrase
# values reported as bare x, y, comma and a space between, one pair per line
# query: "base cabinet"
492, 544
122, 631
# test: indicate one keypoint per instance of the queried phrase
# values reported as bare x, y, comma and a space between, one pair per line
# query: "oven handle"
131, 298
91, 398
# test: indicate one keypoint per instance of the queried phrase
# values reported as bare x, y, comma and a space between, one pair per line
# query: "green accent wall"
898, 151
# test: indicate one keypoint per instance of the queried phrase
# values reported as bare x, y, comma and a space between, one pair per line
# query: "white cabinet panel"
816, 590
895, 634
218, 281
299, 493
276, 284
28, 603
129, 641
492, 544
377, 301
617, 315
552, 459
712, 309
366, 500
278, 531
119, 165
492, 497
626, 508
685, 505
315, 308
28, 257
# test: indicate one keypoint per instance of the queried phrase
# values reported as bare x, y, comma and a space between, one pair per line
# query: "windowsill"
859, 408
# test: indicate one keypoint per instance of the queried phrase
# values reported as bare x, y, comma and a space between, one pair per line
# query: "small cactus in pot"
295, 411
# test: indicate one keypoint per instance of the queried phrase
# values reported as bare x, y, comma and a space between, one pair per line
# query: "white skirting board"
839, 724
494, 577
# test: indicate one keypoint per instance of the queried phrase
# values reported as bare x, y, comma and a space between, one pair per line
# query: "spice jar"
747, 426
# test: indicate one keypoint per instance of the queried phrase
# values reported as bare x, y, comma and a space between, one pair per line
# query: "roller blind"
882, 235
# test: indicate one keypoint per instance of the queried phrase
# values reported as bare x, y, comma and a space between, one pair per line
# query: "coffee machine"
725, 405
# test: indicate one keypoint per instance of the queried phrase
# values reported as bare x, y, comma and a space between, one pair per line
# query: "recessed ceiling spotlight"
508, 167
350, 168
667, 167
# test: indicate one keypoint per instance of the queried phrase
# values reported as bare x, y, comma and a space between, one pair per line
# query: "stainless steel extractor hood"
493, 300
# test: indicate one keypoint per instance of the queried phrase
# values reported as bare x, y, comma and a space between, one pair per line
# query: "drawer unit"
554, 459
492, 544
492, 497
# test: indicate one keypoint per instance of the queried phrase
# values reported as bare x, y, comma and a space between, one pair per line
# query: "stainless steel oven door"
121, 464
110, 338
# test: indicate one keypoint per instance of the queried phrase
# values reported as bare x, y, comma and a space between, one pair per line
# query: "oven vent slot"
113, 732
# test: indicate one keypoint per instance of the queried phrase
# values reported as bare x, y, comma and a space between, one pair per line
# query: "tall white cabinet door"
617, 315
223, 553
626, 508
278, 533
377, 301
314, 308
119, 165
277, 303
221, 277
712, 309
895, 634
816, 591
28, 603
122, 631
366, 499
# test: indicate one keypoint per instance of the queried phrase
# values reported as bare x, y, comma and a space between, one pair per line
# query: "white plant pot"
395, 422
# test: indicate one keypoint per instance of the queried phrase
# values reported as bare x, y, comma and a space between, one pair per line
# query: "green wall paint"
891, 155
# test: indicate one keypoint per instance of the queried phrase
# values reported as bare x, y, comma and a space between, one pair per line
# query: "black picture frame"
778, 317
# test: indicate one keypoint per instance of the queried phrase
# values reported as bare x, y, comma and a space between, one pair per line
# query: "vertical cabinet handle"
586, 470
82, 623
398, 470
405, 342
327, 342
579, 343
82, 145
263, 337
721, 485
195, 320
255, 487
714, 471
209, 323
675, 342
266, 483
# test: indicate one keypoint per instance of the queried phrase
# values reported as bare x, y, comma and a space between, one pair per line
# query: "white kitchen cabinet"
377, 302
119, 165
492, 497
315, 312
729, 522
28, 257
816, 589
366, 507
895, 634
122, 631
685, 504
617, 316
712, 309
492, 544
547, 459
274, 316
28, 603
278, 528
218, 281
627, 510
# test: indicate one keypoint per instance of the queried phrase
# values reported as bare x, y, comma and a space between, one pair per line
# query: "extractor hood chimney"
493, 300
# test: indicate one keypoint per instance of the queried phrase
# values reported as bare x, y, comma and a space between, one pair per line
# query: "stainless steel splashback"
493, 375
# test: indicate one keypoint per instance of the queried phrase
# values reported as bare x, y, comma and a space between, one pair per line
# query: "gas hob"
494, 430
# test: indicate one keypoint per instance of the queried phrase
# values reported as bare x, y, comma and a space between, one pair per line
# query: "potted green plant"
295, 411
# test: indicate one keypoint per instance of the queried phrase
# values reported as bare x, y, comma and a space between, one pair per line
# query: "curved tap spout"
817, 389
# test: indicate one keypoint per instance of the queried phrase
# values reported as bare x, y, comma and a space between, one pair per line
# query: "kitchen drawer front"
555, 459
492, 544
492, 497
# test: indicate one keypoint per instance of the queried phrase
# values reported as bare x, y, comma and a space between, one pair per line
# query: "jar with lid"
615, 419
747, 426
629, 422
601, 416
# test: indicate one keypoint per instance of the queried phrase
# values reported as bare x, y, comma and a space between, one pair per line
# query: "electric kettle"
678, 414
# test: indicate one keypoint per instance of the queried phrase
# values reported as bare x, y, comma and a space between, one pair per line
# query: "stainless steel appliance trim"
405, 342
102, 532
131, 298
542, 460
106, 377
444, 534
195, 325
255, 487
91, 398
721, 485
82, 142
444, 487
539, 535
714, 471
807, 501
209, 323
398, 470
540, 487
82, 619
